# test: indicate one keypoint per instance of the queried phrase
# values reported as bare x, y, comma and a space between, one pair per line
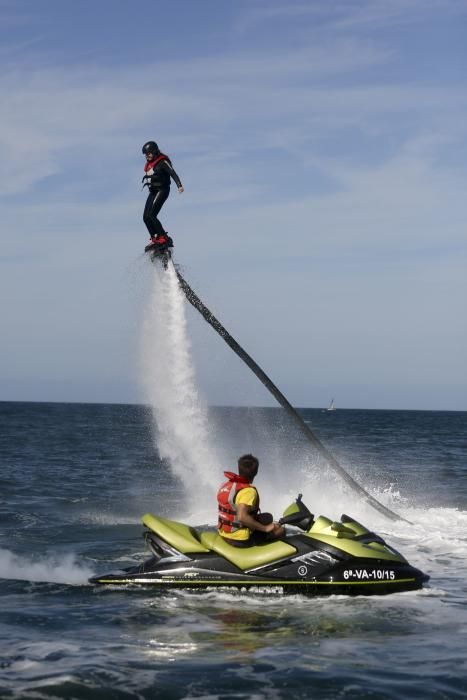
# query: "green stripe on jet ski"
190, 583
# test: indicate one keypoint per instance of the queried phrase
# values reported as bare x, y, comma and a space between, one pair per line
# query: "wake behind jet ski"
325, 558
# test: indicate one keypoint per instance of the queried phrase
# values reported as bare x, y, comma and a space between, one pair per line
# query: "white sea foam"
108, 518
169, 382
48, 569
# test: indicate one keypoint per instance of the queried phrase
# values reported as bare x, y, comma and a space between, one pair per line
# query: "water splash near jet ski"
331, 461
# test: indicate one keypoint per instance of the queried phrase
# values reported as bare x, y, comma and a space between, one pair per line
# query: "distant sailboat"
331, 406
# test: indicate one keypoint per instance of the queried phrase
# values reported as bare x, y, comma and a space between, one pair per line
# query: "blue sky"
323, 151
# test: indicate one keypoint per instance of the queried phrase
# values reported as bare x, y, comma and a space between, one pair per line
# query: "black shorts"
256, 537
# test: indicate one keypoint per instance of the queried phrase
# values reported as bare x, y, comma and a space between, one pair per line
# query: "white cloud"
348, 15
243, 101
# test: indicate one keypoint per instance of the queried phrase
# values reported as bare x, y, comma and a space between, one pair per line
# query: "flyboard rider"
240, 522
158, 170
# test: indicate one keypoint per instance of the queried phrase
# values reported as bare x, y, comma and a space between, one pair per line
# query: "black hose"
279, 396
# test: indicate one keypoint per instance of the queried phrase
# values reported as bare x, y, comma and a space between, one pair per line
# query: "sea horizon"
246, 406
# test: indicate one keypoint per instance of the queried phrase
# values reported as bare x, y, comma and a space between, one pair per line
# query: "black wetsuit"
159, 189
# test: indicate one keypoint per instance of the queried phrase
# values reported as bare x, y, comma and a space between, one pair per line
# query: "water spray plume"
170, 386
46, 569
331, 461
169, 381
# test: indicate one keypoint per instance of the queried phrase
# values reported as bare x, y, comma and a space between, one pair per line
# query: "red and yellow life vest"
226, 502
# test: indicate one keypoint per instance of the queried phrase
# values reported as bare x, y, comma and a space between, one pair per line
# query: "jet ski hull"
315, 568
198, 579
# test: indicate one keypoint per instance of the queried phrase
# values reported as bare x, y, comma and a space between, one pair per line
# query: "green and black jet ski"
325, 558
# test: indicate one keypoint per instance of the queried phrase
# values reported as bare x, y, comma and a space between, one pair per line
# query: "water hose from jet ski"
196, 302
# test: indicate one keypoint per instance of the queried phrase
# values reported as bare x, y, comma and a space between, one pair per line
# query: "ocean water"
74, 481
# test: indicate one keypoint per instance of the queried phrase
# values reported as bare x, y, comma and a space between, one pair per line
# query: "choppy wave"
80, 641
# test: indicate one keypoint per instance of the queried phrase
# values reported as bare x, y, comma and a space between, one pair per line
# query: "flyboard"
160, 249
163, 254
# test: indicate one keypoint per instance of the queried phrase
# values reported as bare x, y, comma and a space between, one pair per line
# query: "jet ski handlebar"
297, 514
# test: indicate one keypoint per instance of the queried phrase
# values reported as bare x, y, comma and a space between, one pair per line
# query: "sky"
322, 147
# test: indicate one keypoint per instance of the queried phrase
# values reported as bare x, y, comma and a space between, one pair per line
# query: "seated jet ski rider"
240, 522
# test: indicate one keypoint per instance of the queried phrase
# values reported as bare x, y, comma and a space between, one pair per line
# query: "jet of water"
169, 382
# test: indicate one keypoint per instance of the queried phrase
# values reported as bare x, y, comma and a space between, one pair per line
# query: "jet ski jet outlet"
322, 557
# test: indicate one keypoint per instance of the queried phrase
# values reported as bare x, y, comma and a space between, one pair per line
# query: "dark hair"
248, 466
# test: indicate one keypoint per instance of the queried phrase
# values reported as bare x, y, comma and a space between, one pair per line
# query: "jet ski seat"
178, 535
248, 557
